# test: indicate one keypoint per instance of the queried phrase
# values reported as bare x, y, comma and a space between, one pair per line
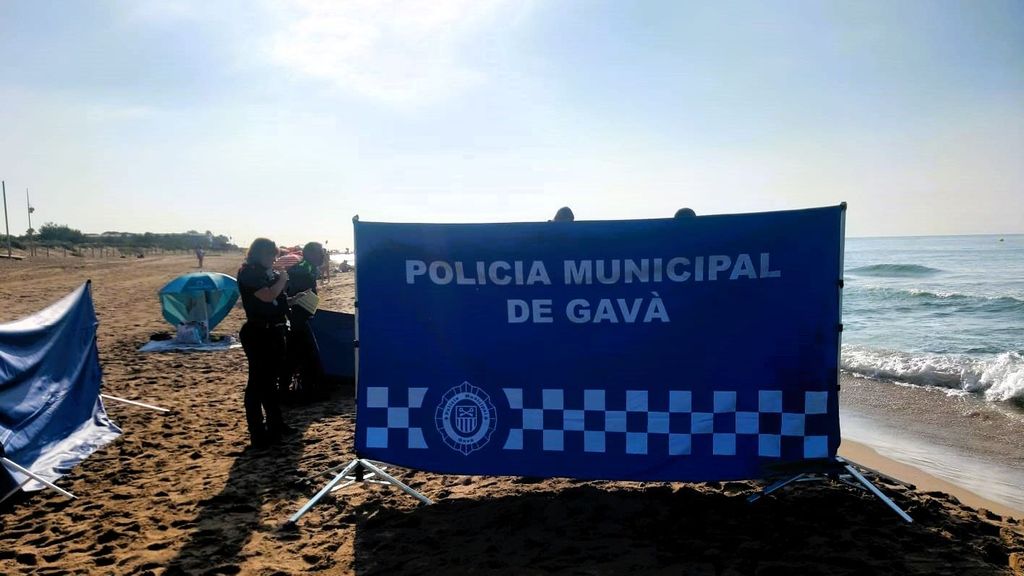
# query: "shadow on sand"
598, 528
228, 520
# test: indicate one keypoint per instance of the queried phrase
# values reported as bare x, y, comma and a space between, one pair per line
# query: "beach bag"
308, 301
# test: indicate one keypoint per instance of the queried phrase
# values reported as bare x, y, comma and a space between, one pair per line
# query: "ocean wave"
999, 379
894, 270
992, 303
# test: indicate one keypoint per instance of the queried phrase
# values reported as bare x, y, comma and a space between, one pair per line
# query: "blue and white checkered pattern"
393, 418
719, 423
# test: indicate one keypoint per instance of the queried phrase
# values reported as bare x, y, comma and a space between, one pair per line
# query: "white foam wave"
999, 379
942, 294
1015, 297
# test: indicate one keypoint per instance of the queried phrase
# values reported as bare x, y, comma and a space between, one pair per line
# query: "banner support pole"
323, 492
878, 493
15, 490
845, 468
11, 464
392, 480
356, 471
134, 403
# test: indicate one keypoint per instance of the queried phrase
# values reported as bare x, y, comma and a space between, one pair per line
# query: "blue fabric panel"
51, 415
537, 349
334, 333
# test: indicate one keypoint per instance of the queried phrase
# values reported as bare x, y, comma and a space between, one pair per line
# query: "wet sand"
868, 457
965, 441
179, 494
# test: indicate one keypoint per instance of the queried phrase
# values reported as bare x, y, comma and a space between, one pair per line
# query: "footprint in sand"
130, 526
312, 559
39, 542
108, 536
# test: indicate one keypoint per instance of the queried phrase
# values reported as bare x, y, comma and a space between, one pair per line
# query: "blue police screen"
685, 349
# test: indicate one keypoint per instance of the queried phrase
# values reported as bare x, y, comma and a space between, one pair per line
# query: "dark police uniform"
302, 355
302, 277
264, 339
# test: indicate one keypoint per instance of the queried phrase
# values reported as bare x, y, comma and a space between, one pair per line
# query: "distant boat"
1001, 239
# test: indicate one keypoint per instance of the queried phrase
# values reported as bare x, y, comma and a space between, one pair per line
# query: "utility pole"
30, 211
6, 226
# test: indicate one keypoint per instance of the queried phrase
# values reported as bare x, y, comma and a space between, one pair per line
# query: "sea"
933, 356
940, 311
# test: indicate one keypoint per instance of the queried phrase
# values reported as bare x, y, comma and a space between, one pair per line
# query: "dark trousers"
266, 349
303, 359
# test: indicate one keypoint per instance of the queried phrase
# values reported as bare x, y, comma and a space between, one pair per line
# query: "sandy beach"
177, 493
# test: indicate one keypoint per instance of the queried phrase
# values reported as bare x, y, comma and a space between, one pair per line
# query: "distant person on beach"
200, 254
325, 264
303, 360
264, 339
564, 214
685, 213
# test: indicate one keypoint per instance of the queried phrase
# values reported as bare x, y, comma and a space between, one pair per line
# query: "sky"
285, 119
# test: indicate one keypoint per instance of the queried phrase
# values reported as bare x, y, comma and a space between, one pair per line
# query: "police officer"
303, 358
264, 339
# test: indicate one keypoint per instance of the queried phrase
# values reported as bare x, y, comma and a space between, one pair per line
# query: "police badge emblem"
466, 418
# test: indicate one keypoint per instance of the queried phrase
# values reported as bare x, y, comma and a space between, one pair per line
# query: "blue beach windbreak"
51, 414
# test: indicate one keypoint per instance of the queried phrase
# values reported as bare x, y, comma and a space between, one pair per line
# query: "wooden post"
6, 226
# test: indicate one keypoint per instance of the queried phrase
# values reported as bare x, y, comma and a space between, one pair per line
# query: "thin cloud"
398, 51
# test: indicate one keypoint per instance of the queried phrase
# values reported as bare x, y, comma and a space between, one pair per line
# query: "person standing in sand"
200, 254
325, 263
303, 360
264, 339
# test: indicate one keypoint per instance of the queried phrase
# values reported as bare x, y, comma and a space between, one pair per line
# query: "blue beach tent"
199, 296
51, 414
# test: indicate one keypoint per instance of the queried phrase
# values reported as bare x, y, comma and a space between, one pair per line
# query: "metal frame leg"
134, 403
332, 471
878, 493
359, 470
323, 492
373, 468
847, 470
14, 490
773, 487
34, 476
368, 478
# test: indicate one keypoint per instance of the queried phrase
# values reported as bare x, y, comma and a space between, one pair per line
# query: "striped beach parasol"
288, 260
